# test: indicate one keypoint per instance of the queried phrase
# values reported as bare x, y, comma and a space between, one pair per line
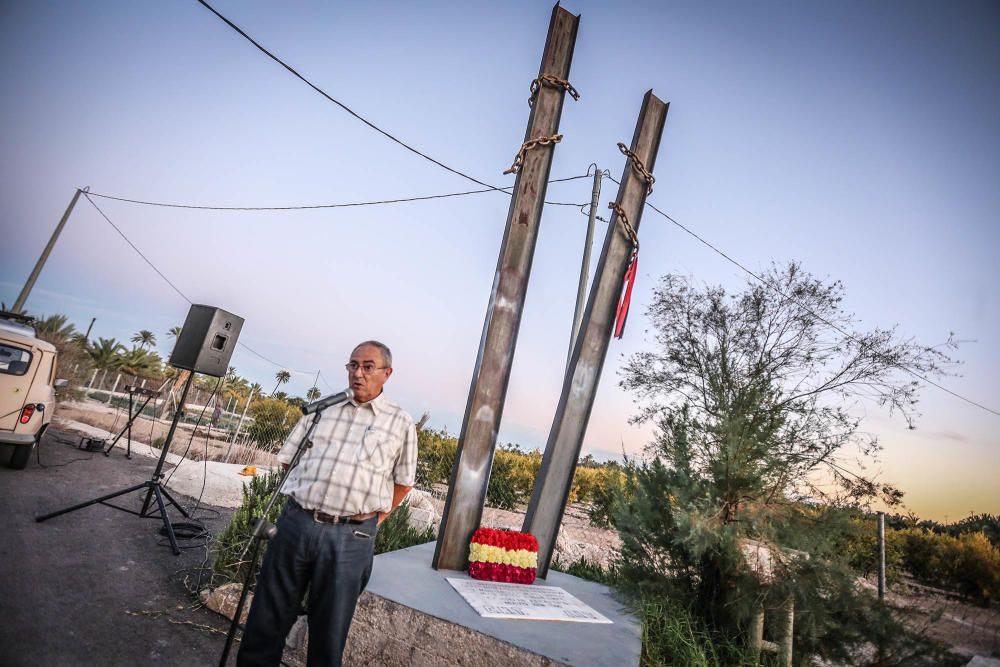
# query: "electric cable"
194, 431
342, 105
133, 246
168, 281
830, 324
38, 454
312, 207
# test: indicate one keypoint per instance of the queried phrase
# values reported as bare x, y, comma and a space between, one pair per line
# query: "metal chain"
527, 146
555, 81
638, 166
629, 230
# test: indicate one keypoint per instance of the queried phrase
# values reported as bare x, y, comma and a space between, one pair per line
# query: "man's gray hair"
383, 348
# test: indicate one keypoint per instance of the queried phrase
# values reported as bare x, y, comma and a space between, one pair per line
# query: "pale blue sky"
860, 138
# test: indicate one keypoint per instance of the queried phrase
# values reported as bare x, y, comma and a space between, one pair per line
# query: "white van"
27, 387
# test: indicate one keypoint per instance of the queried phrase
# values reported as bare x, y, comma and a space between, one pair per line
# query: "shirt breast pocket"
375, 446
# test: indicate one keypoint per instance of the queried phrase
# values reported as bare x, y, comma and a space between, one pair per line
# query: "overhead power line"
830, 324
308, 207
344, 106
174, 287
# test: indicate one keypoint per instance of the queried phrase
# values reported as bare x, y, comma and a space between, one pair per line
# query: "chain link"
554, 81
638, 166
629, 230
527, 146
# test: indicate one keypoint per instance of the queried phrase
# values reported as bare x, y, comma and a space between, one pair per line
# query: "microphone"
324, 403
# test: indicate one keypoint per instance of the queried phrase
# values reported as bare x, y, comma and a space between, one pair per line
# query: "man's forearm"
398, 493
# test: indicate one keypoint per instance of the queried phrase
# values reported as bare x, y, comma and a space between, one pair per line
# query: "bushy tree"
273, 420
753, 397
70, 345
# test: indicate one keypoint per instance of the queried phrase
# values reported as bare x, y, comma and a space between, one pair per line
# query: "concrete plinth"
411, 615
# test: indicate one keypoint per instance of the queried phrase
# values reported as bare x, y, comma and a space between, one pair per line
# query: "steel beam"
548, 500
470, 476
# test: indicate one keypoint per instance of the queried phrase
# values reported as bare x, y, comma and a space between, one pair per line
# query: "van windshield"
14, 360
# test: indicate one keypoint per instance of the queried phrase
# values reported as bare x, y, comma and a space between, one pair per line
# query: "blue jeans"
331, 562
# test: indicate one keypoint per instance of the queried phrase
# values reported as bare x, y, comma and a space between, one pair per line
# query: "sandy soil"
968, 629
205, 443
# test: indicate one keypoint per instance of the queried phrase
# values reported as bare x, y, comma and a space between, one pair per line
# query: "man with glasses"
362, 463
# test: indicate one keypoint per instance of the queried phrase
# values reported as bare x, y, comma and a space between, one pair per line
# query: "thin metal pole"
548, 499
881, 556
158, 471
86, 336
30, 282
470, 475
581, 291
239, 425
114, 388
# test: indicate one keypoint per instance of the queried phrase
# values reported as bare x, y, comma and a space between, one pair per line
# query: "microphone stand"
265, 530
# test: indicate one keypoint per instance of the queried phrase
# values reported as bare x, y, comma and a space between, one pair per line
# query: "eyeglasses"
367, 369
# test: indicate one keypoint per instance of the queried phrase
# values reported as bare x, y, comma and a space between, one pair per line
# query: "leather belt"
323, 517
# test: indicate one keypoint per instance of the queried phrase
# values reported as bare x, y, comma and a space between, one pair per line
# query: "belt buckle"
323, 517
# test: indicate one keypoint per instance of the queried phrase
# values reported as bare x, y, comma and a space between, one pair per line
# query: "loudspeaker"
207, 340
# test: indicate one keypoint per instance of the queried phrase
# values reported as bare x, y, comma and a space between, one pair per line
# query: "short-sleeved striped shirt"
359, 451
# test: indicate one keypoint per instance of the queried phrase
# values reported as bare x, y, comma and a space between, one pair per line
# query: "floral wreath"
503, 555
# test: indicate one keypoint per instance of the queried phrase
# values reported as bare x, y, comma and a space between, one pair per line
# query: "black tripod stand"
264, 529
132, 390
154, 488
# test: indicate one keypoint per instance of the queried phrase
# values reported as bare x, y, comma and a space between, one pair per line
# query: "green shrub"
606, 496
859, 547
231, 542
397, 533
585, 569
512, 478
671, 635
968, 564
435, 457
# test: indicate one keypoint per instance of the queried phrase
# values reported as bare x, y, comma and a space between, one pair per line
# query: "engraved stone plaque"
493, 599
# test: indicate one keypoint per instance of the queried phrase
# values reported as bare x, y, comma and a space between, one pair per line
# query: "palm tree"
144, 338
313, 393
282, 377
106, 353
56, 329
139, 361
173, 332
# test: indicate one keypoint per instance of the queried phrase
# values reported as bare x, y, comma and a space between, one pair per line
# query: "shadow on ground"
97, 586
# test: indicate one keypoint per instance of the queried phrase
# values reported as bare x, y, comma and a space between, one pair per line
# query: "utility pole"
470, 475
581, 291
548, 500
23, 296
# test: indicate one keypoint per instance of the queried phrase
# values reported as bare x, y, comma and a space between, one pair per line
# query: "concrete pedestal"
411, 615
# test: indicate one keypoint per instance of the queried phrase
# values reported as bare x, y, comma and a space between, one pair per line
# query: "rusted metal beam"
548, 500
477, 440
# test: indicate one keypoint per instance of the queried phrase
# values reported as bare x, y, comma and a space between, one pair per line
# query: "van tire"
22, 454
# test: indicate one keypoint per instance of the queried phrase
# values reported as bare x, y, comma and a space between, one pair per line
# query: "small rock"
423, 513
223, 600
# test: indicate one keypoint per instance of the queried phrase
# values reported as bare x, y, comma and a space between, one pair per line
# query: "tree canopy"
755, 397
